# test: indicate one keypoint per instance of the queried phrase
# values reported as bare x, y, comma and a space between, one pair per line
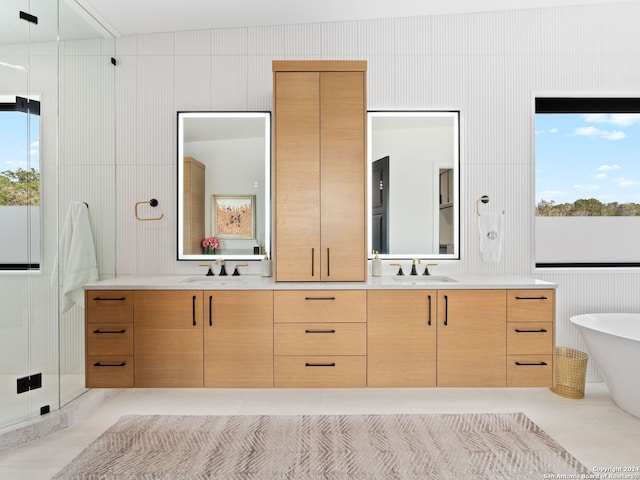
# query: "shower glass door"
25, 365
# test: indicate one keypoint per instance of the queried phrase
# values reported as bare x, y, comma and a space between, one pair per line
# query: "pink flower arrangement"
211, 242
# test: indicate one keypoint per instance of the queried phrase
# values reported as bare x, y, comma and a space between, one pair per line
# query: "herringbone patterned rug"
305, 447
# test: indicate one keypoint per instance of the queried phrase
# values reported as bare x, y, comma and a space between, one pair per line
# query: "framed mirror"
224, 185
413, 189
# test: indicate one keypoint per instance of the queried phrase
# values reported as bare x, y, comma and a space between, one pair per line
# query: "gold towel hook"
154, 203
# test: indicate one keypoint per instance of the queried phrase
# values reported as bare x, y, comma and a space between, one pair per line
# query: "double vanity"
250, 331
321, 321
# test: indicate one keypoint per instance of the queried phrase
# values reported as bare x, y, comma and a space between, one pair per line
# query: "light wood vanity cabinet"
109, 339
238, 339
471, 338
168, 338
320, 170
320, 338
401, 338
530, 337
476, 338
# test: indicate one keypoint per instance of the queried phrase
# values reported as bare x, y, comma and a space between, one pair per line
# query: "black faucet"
413, 266
236, 273
210, 271
426, 268
400, 272
223, 271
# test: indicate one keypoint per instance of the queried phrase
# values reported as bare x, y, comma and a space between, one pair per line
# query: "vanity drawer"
529, 370
529, 338
325, 339
320, 371
535, 305
110, 339
106, 371
109, 306
291, 306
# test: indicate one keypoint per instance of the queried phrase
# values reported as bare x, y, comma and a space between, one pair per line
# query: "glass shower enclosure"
57, 138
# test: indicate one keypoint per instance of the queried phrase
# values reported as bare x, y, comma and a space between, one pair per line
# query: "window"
19, 183
587, 154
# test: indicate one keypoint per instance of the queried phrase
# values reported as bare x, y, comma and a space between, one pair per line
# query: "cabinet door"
401, 338
471, 338
342, 181
168, 338
238, 339
297, 175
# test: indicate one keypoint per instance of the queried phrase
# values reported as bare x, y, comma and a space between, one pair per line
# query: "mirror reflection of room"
413, 165
223, 163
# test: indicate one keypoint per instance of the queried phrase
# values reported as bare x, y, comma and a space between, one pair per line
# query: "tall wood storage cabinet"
194, 198
320, 170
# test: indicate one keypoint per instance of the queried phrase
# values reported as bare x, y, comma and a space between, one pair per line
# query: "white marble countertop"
255, 282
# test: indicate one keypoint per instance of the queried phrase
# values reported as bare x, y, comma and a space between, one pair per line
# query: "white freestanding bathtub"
613, 340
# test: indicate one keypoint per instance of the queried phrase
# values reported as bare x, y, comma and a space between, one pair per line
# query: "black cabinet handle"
109, 299
319, 364
539, 330
429, 306
100, 364
319, 298
446, 310
532, 298
328, 264
210, 310
193, 310
313, 258
109, 331
319, 331
532, 364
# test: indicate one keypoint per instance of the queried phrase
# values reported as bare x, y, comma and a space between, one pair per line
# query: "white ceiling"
127, 17
77, 18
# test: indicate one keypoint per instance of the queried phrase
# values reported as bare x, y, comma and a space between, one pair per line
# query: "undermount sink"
217, 279
419, 279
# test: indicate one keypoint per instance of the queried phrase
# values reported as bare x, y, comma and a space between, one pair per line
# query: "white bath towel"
76, 257
490, 225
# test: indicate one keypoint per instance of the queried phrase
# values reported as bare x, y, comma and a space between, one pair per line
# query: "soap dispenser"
266, 266
376, 265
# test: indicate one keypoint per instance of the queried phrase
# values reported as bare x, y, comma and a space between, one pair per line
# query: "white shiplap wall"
487, 65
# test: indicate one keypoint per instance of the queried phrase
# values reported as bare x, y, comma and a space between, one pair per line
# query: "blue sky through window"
581, 156
15, 150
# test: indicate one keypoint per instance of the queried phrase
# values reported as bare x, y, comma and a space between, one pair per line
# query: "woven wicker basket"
570, 372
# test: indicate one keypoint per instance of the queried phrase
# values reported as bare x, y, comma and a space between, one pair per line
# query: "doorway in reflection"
413, 184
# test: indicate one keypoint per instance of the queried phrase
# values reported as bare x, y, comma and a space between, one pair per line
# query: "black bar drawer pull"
539, 330
114, 299
100, 364
533, 364
319, 331
446, 310
319, 298
532, 298
193, 310
320, 364
109, 331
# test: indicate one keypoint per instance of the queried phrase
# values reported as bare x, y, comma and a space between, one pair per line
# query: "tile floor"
593, 429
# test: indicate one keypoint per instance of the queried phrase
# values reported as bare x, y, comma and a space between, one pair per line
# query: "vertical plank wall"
487, 65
